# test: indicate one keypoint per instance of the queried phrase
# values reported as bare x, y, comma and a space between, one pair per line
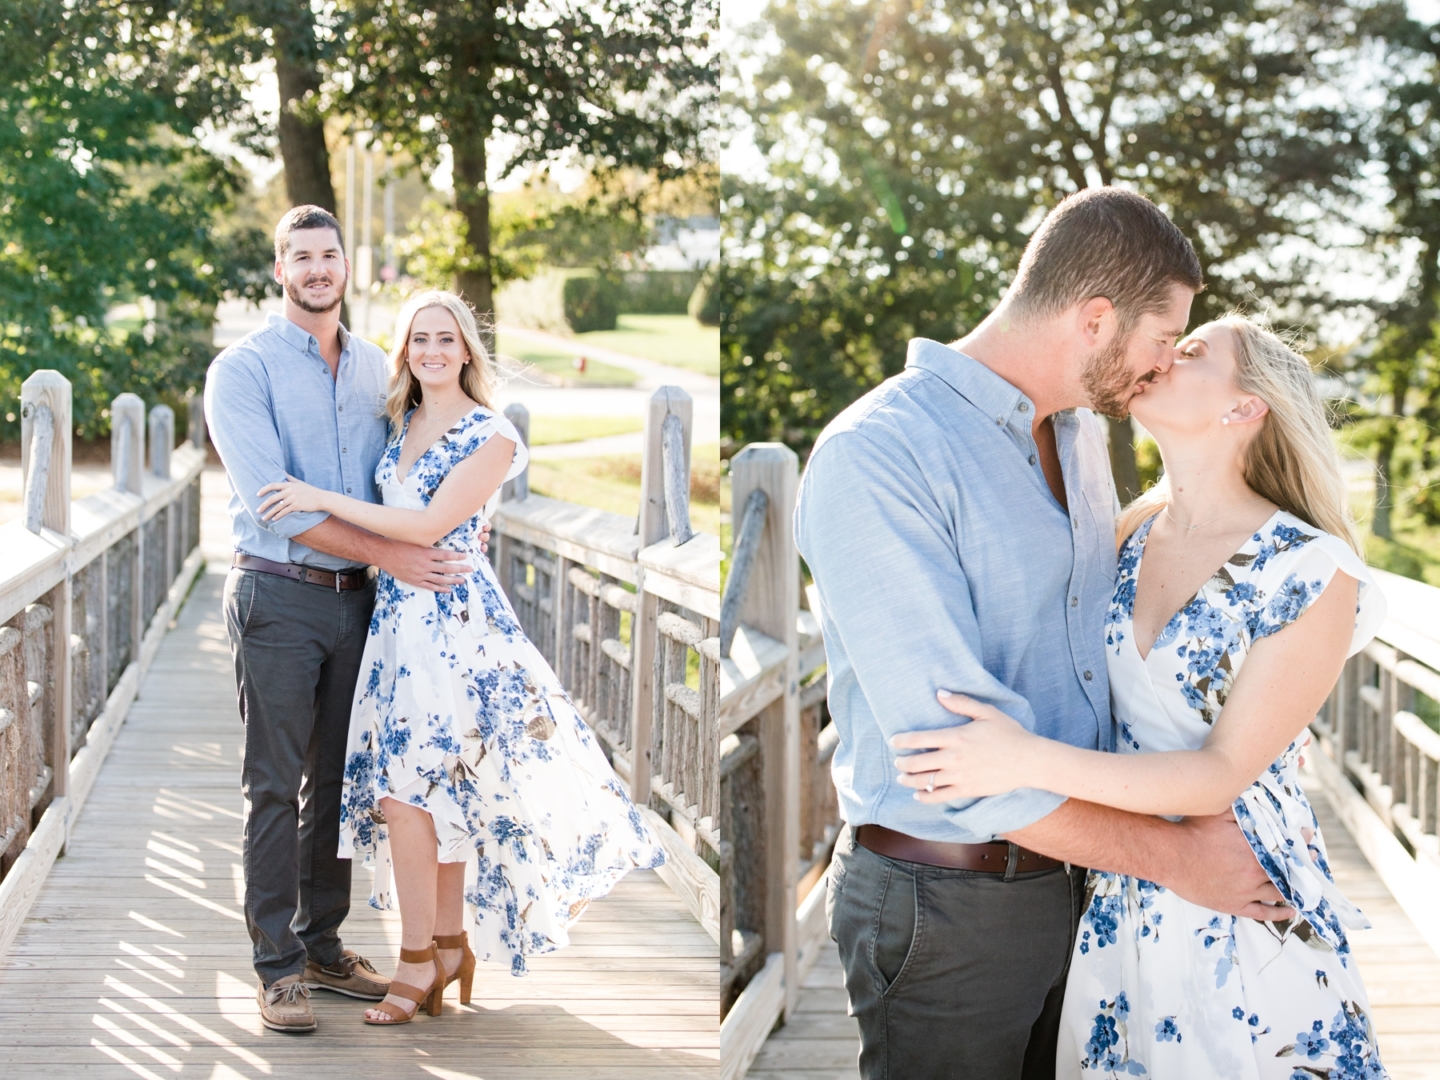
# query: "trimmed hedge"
591, 303
657, 292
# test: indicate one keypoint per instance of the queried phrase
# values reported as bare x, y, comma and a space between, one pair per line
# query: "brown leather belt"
343, 581
994, 858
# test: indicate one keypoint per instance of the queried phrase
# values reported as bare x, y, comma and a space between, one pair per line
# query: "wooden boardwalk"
1402, 974
135, 962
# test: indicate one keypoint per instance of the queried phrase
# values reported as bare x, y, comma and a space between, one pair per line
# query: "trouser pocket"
897, 924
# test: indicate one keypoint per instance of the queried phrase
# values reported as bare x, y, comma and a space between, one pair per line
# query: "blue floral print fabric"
457, 712
1162, 988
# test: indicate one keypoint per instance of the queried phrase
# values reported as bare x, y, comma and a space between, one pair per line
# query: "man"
981, 482
303, 397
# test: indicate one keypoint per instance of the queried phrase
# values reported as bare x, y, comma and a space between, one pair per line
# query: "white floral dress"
1158, 986
457, 712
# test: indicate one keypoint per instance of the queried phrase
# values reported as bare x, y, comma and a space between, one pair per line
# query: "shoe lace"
288, 995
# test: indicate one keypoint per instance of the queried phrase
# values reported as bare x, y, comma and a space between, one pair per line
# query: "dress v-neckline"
1143, 541
405, 431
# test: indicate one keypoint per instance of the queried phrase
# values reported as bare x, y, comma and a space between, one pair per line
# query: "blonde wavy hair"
1291, 460
476, 377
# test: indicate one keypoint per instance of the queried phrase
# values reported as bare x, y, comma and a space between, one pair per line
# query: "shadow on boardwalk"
1402, 975
135, 961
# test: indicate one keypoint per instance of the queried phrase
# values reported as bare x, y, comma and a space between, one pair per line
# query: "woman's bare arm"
467, 488
1281, 687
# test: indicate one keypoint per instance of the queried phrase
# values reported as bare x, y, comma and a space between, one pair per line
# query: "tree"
1405, 358
619, 83
105, 197
914, 143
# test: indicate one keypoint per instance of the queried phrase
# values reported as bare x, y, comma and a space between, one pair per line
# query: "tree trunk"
472, 199
1385, 449
302, 140
1122, 460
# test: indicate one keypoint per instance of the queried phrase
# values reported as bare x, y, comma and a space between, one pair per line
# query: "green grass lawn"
562, 365
547, 430
613, 484
666, 339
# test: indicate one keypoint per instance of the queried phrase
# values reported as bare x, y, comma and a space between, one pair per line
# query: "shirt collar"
300, 339
993, 396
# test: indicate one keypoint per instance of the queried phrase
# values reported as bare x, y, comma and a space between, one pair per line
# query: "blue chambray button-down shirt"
943, 560
273, 408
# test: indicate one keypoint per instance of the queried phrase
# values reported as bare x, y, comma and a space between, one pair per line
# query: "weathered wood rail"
87, 589
1379, 759
627, 613
779, 815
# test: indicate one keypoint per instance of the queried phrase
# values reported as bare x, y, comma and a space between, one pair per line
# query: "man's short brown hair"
1104, 242
304, 217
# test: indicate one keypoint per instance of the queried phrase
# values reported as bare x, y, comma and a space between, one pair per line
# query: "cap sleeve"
478, 428
1298, 562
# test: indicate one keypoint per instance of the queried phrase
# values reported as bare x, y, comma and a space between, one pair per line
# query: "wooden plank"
688, 875
750, 1019
22, 884
751, 677
1414, 884
688, 575
582, 534
633, 996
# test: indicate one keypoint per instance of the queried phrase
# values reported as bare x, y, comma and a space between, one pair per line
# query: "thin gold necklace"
1192, 528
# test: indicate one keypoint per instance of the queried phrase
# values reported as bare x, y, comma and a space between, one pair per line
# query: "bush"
657, 292
704, 306
591, 303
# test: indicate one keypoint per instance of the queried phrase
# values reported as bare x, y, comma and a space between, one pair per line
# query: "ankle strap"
418, 956
451, 941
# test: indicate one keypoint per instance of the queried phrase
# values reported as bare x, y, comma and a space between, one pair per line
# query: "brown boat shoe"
351, 975
285, 1005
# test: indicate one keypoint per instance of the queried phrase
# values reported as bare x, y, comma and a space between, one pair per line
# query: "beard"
1108, 380
297, 297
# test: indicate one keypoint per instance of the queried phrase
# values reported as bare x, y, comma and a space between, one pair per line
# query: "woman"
1214, 676
464, 748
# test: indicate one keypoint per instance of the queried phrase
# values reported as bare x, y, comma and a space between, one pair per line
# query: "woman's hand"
983, 757
289, 496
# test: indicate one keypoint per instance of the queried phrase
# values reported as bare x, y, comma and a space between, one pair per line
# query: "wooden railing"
778, 810
1379, 758
87, 589
627, 613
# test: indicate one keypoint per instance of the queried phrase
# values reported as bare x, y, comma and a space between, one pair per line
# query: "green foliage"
436, 248
911, 151
657, 292
104, 198
592, 302
1147, 462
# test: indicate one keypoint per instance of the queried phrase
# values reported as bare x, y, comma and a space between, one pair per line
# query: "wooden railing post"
45, 403
195, 420
651, 526
127, 442
772, 607
518, 488
162, 440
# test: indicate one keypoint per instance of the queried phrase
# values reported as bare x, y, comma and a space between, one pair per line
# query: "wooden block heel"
465, 972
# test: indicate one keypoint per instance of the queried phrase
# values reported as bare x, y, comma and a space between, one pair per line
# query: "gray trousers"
953, 974
297, 650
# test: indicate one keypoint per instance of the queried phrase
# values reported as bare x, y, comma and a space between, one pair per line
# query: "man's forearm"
1102, 838
345, 541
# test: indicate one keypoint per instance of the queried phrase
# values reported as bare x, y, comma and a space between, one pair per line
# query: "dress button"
1032, 459
347, 492
1088, 676
1074, 601
1023, 407
342, 408
344, 449
1000, 420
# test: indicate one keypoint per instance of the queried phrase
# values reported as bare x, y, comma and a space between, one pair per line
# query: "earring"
1224, 420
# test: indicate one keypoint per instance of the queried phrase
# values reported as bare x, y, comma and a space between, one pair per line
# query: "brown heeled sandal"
430, 998
466, 971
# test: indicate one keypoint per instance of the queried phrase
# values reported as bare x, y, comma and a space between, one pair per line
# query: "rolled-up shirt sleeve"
242, 426
884, 556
